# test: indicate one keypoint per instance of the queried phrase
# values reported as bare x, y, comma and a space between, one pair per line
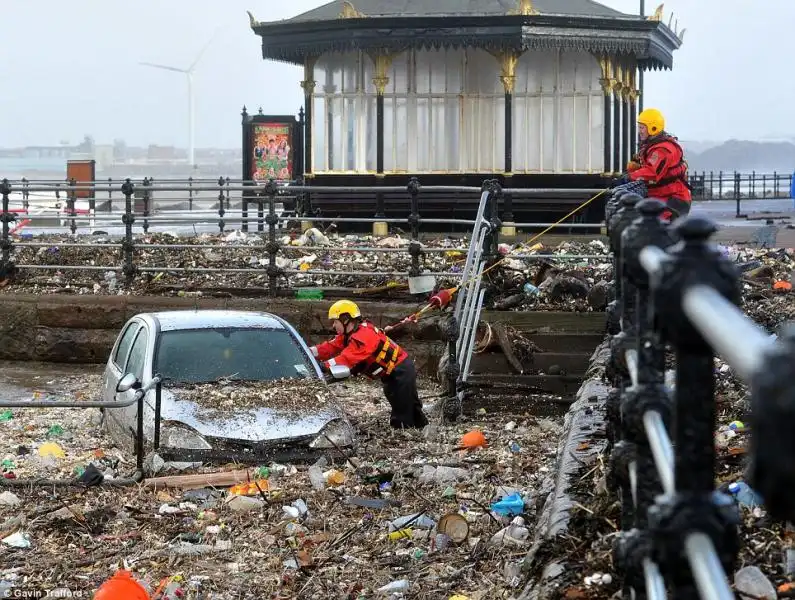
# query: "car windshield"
203, 355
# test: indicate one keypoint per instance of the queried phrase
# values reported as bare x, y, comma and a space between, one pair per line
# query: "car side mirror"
128, 382
339, 371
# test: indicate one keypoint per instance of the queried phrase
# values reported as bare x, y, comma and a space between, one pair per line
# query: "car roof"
173, 320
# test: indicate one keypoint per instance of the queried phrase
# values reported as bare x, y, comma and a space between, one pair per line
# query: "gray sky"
71, 68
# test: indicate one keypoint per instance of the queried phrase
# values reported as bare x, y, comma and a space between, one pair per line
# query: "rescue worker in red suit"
367, 350
660, 163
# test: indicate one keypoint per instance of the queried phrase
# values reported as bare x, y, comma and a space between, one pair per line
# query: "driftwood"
192, 482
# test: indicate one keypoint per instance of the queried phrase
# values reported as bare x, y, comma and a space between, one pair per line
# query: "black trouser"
682, 207
400, 389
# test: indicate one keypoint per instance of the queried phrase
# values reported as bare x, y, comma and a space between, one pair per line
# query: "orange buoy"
474, 439
121, 586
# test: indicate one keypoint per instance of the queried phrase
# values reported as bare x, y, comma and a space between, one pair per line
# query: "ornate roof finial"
251, 20
524, 7
349, 11
658, 14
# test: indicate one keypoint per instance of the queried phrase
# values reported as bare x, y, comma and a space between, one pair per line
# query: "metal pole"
191, 117
722, 324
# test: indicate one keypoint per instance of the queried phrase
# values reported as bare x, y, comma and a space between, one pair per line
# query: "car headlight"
181, 436
338, 432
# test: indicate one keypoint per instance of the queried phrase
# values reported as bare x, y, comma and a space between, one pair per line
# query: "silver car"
220, 348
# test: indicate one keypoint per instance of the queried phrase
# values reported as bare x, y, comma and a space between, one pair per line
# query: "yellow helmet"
341, 307
653, 119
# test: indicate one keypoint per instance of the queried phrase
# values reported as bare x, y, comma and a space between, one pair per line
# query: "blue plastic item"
792, 190
744, 495
509, 505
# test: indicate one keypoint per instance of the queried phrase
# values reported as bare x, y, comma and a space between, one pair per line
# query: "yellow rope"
426, 308
533, 239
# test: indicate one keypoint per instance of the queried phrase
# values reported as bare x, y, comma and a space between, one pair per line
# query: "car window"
135, 364
202, 355
124, 345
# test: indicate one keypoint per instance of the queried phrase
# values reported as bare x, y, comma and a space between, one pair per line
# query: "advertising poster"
273, 154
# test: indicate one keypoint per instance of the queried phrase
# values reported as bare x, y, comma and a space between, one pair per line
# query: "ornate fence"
675, 289
138, 215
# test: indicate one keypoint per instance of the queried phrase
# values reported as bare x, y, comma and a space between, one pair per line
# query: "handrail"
686, 295
155, 383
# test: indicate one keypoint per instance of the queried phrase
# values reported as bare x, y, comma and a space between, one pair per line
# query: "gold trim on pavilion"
349, 11
382, 62
658, 13
251, 20
524, 7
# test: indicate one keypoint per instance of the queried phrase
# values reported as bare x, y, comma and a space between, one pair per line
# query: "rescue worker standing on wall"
661, 164
367, 350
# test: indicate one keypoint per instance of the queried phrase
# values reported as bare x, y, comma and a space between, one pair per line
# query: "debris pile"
443, 513
230, 397
522, 280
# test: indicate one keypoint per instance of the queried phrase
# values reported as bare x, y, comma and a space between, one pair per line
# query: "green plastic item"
6, 416
309, 294
7, 464
262, 473
54, 430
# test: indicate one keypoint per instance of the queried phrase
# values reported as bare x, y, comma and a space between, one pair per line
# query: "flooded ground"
298, 538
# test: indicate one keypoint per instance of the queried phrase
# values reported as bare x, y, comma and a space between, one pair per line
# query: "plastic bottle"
422, 522
530, 290
744, 495
400, 585
752, 583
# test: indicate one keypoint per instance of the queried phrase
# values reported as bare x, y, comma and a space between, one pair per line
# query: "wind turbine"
191, 103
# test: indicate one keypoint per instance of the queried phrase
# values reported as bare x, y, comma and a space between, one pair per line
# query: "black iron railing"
139, 214
676, 291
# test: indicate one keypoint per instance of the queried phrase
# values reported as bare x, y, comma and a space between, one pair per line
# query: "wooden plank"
566, 385
497, 362
545, 322
567, 342
191, 482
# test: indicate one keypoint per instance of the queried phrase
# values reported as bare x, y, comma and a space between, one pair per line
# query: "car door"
115, 369
118, 359
136, 361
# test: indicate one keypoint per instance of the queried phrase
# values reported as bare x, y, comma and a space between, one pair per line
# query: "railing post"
25, 193
110, 194
695, 506
772, 415
244, 208
623, 452
70, 205
612, 205
261, 210
221, 197
228, 193
737, 192
415, 249
127, 247
190, 193
6, 267
451, 332
273, 246
491, 242
649, 393
147, 184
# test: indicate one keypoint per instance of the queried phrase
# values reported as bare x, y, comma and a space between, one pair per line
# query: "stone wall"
82, 329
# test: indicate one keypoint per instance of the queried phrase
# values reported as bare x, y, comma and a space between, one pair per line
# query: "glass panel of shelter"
439, 104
